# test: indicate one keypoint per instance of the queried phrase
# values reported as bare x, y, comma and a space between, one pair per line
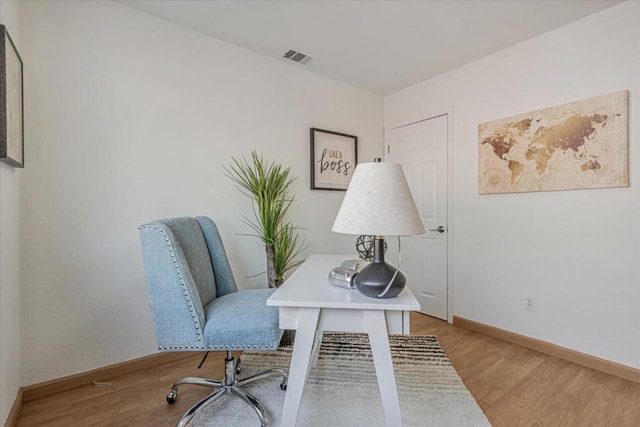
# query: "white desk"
308, 303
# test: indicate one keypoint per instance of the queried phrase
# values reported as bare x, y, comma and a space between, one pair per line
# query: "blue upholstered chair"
197, 307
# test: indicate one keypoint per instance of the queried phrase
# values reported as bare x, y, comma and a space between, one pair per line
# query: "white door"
421, 149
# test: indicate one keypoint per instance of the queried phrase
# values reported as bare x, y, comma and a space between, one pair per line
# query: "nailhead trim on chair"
216, 347
180, 278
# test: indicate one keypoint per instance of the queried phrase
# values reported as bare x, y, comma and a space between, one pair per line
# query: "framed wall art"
11, 102
334, 157
582, 144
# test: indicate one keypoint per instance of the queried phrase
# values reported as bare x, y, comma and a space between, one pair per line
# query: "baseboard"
583, 359
59, 385
15, 410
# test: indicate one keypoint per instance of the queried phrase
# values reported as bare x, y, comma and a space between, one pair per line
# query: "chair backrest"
187, 268
188, 236
225, 282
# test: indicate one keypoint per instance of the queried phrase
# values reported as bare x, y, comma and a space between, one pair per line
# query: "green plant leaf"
287, 248
267, 184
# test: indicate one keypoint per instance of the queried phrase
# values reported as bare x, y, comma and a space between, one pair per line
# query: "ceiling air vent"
298, 57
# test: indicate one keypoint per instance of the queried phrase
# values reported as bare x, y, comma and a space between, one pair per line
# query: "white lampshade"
378, 202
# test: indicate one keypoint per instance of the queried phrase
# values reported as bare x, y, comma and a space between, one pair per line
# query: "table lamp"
378, 202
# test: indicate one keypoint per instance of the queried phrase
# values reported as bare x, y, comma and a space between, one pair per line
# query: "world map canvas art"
582, 144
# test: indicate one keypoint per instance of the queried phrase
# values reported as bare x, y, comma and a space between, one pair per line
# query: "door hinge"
388, 149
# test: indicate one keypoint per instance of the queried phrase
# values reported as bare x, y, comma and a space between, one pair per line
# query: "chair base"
231, 385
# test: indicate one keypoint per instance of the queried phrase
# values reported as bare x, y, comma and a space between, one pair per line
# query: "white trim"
451, 227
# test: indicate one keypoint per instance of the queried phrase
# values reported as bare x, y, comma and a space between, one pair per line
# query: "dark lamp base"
374, 278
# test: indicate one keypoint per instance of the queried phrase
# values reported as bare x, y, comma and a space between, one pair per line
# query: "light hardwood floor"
513, 385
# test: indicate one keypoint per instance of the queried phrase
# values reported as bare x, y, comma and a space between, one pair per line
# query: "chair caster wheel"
171, 397
283, 386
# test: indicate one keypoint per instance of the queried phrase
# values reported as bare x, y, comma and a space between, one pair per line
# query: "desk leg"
378, 336
406, 322
316, 349
299, 369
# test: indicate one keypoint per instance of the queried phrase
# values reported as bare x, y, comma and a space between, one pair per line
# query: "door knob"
440, 229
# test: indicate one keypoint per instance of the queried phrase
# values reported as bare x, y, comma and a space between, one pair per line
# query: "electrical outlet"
529, 304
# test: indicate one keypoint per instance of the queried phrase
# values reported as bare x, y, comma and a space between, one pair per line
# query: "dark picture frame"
11, 102
334, 156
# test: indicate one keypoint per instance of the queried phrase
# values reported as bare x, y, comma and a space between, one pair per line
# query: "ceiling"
381, 46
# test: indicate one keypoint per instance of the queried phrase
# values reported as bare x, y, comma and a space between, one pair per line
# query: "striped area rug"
342, 390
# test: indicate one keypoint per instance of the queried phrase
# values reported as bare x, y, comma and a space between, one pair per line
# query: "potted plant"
268, 184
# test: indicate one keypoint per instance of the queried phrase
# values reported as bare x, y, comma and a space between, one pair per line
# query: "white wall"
130, 118
10, 326
576, 252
